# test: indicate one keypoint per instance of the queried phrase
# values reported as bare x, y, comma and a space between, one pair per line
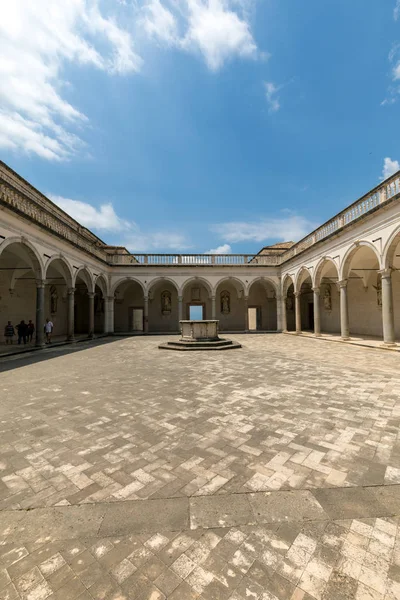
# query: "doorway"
137, 319
196, 312
254, 316
311, 316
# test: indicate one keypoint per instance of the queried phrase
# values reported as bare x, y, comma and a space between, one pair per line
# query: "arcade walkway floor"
270, 472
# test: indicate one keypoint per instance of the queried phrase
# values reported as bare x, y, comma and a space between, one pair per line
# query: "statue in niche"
225, 303
98, 304
196, 294
328, 298
378, 288
53, 299
166, 302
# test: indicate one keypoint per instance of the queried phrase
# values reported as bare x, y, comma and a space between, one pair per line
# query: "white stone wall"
159, 322
235, 320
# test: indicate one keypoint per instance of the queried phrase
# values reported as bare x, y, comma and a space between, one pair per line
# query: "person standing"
48, 328
30, 330
9, 332
22, 329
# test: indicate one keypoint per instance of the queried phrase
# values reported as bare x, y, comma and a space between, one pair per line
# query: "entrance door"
253, 314
196, 312
137, 319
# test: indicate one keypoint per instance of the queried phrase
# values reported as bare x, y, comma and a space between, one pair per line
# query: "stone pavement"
271, 472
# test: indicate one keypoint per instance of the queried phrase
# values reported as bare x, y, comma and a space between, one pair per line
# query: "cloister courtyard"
269, 472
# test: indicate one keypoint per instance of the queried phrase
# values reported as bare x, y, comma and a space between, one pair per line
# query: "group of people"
25, 331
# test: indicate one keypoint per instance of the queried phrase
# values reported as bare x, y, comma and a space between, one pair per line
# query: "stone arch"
158, 280
301, 276
350, 253
230, 304
262, 305
66, 269
86, 276
266, 280
228, 278
326, 260
192, 280
287, 281
31, 251
101, 281
390, 248
117, 283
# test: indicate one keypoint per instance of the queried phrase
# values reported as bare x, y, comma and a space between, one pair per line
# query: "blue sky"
197, 125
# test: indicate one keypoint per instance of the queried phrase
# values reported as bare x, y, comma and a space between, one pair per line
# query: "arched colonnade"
357, 293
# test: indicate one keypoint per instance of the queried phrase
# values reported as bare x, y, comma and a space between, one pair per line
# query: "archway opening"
230, 305
58, 279
196, 293
19, 270
83, 288
307, 304
395, 264
129, 308
262, 306
163, 307
99, 310
329, 297
290, 307
364, 292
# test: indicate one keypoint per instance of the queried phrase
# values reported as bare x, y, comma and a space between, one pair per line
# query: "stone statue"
327, 298
225, 303
378, 288
166, 302
53, 299
289, 302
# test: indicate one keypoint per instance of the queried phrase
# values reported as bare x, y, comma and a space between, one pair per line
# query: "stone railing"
235, 260
368, 203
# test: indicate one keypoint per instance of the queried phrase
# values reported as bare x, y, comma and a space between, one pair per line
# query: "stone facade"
342, 278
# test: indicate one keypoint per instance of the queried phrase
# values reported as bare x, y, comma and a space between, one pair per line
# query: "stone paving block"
350, 503
298, 505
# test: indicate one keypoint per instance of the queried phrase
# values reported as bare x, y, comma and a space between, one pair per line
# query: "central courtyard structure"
126, 474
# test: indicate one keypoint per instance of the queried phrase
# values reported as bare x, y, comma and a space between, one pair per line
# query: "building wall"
235, 320
159, 322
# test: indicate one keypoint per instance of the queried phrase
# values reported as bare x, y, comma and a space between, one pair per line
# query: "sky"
200, 126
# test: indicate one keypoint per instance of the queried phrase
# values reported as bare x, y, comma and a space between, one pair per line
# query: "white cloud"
396, 11
389, 167
217, 29
37, 39
224, 249
291, 228
271, 91
105, 219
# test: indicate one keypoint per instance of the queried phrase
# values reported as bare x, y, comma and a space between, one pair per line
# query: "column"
110, 314
71, 314
246, 313
297, 296
317, 312
284, 314
91, 315
180, 311
389, 338
146, 314
213, 308
344, 310
40, 287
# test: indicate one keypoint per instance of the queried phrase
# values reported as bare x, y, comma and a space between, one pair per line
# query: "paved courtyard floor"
270, 472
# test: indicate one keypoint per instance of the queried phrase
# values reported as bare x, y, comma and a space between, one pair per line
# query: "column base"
317, 335
71, 338
299, 332
345, 339
389, 345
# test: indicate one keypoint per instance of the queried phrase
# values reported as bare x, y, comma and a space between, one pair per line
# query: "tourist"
30, 330
22, 329
48, 328
9, 332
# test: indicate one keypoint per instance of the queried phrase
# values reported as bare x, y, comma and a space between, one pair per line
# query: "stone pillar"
246, 313
110, 314
213, 308
317, 312
91, 315
297, 296
180, 311
146, 314
284, 314
389, 338
40, 287
71, 314
344, 310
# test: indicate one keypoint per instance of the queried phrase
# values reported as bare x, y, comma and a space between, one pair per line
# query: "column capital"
91, 295
71, 291
180, 298
110, 298
297, 294
316, 290
342, 283
40, 283
385, 273
146, 298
